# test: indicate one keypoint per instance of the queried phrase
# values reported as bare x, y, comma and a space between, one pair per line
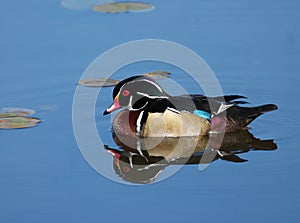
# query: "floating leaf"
13, 112
18, 122
116, 7
98, 82
158, 74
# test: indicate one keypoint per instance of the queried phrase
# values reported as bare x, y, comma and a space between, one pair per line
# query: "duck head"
134, 93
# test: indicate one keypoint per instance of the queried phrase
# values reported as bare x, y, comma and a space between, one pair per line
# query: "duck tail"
240, 117
249, 114
262, 109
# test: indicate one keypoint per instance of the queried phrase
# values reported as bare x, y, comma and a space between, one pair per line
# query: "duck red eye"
125, 93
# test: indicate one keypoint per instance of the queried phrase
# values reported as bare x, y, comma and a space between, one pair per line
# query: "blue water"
253, 48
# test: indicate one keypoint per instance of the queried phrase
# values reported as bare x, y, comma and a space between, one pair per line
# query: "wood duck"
151, 112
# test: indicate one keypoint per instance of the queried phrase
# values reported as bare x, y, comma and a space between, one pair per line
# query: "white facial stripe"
153, 83
136, 109
144, 105
149, 96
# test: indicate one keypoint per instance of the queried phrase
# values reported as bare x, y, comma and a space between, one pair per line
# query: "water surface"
253, 48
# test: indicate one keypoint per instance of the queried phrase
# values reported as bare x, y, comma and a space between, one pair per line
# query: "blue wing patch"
202, 114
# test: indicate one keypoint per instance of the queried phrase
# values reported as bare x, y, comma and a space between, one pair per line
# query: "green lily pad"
117, 7
13, 112
158, 74
98, 82
18, 122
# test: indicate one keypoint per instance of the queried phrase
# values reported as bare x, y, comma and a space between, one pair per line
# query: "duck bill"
116, 105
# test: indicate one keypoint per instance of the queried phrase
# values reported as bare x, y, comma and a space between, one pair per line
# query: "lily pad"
117, 7
158, 74
98, 82
13, 112
18, 122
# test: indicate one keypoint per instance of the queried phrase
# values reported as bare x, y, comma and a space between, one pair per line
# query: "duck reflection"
141, 160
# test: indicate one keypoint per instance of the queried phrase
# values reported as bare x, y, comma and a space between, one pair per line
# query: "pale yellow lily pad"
98, 82
158, 74
18, 122
13, 112
117, 7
